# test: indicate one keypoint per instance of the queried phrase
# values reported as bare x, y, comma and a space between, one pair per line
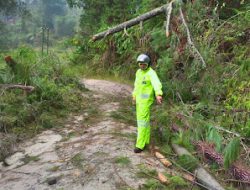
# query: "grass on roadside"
77, 160
123, 161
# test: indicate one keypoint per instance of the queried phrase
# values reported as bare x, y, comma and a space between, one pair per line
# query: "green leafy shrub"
177, 182
57, 90
214, 137
188, 162
231, 152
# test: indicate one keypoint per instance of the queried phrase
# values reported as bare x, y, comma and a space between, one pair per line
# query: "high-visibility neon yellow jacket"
147, 85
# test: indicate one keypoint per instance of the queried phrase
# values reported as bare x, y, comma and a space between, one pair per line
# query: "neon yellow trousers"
143, 123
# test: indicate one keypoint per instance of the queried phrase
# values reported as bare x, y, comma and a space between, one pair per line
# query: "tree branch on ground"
202, 175
17, 86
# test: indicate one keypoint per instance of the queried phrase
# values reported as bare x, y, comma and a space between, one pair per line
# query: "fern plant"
231, 152
214, 137
183, 139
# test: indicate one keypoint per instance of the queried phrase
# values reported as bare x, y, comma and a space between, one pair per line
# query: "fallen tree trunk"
131, 22
239, 171
202, 175
17, 86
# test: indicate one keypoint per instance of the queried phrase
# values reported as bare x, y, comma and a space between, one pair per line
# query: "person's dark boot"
137, 150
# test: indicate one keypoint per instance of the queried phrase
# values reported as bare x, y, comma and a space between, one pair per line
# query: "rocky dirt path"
92, 150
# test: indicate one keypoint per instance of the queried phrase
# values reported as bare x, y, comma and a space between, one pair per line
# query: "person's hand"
159, 99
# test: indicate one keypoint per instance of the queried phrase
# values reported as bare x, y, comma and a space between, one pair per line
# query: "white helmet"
143, 58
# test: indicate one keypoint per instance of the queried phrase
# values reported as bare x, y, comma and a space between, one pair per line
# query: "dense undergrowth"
57, 92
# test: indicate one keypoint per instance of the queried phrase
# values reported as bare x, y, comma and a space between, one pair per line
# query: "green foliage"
177, 182
153, 184
166, 149
183, 139
161, 135
47, 120
188, 162
146, 172
159, 40
54, 168
77, 160
214, 137
237, 104
57, 91
124, 45
231, 152
123, 161
28, 159
228, 9
6, 145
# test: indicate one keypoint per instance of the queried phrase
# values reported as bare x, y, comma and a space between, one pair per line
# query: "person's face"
143, 66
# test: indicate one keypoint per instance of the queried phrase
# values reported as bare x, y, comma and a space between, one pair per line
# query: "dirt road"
91, 151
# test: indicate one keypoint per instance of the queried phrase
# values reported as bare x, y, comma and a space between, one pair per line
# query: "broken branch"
163, 179
17, 86
131, 22
162, 159
227, 131
169, 10
190, 42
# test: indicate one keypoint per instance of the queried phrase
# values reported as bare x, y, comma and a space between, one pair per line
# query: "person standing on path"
147, 86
